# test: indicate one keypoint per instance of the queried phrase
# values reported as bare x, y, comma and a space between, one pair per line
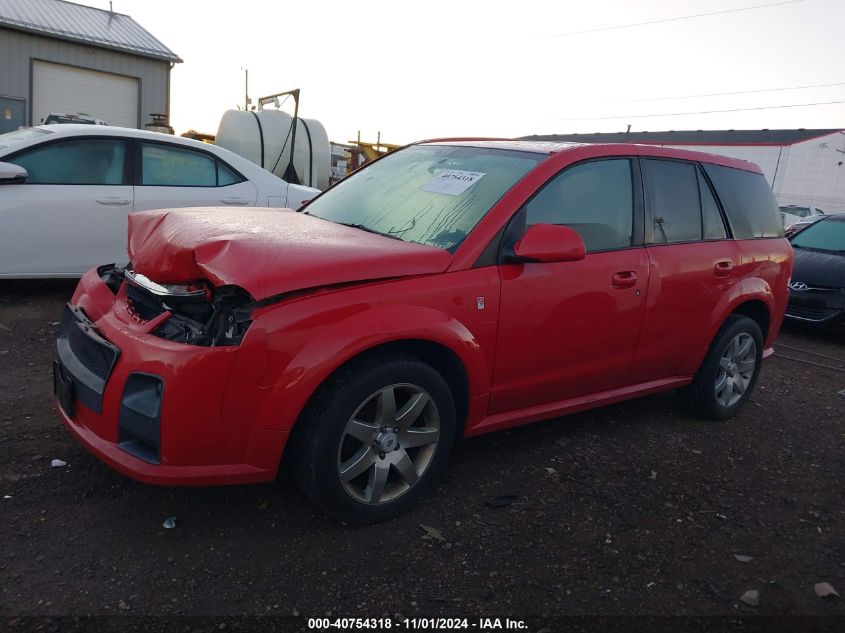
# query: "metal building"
64, 58
804, 167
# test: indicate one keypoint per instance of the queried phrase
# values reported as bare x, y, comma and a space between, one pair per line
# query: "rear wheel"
375, 438
730, 370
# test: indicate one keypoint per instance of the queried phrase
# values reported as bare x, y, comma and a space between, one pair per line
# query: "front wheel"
730, 370
375, 438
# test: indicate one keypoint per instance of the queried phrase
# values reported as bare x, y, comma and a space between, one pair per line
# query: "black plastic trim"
490, 255
89, 387
139, 419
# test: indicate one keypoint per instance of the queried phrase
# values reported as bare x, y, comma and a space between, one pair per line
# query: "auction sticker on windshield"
452, 182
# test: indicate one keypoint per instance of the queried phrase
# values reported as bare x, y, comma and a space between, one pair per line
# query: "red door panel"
766, 268
568, 329
688, 283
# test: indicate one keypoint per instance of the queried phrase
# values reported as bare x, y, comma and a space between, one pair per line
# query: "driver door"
570, 329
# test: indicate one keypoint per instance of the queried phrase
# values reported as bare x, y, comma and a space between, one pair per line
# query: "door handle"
723, 269
236, 201
113, 201
624, 279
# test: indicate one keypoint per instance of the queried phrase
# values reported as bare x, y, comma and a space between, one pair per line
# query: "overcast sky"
416, 70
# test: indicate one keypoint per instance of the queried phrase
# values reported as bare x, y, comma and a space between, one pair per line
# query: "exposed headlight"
182, 291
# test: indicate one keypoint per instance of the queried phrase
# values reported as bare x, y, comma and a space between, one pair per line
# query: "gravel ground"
636, 509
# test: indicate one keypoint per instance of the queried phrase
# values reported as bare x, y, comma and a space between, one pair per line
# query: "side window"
595, 198
226, 176
166, 166
711, 220
75, 162
672, 191
748, 201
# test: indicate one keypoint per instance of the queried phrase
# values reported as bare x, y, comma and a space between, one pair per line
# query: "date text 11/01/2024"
482, 625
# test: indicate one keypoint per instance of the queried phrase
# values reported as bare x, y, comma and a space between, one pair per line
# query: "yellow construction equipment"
370, 151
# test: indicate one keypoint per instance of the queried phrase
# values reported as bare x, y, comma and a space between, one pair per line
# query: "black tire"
320, 436
701, 396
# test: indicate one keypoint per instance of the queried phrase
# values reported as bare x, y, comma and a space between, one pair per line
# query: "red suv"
448, 289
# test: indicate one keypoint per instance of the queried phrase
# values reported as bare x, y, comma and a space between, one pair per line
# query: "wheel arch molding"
759, 310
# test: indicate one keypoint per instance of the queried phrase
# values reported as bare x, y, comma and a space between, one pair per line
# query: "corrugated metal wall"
18, 49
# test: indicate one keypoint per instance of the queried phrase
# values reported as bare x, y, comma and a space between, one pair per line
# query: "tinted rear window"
748, 202
673, 195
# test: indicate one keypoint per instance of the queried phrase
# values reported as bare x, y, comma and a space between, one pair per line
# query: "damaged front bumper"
153, 408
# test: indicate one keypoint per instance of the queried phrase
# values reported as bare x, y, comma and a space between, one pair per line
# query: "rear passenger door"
170, 176
569, 329
693, 268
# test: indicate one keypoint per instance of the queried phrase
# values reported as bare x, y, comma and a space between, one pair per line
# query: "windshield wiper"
368, 230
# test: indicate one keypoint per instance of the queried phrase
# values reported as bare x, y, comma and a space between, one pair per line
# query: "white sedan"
793, 214
66, 191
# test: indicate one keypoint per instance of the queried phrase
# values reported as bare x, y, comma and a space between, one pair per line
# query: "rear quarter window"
748, 202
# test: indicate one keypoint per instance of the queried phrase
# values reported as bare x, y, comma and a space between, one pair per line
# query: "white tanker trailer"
266, 137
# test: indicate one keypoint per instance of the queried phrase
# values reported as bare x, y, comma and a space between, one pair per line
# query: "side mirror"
550, 243
10, 173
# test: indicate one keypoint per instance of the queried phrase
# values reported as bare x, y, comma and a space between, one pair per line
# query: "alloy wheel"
388, 443
736, 369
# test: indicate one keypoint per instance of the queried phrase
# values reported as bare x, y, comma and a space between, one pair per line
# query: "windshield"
825, 235
68, 118
801, 212
10, 139
428, 194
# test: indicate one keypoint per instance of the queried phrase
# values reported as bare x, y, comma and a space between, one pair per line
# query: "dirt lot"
635, 509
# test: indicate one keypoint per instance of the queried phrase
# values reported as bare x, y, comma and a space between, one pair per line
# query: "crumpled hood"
268, 252
819, 268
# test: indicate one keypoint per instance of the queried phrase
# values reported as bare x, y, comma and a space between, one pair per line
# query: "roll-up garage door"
61, 89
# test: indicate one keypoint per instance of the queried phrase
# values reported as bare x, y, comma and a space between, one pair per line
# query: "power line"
725, 94
675, 19
645, 116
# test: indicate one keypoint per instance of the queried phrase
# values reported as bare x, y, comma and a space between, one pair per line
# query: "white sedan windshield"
10, 139
428, 194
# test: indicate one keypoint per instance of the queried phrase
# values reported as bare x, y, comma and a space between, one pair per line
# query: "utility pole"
246, 88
